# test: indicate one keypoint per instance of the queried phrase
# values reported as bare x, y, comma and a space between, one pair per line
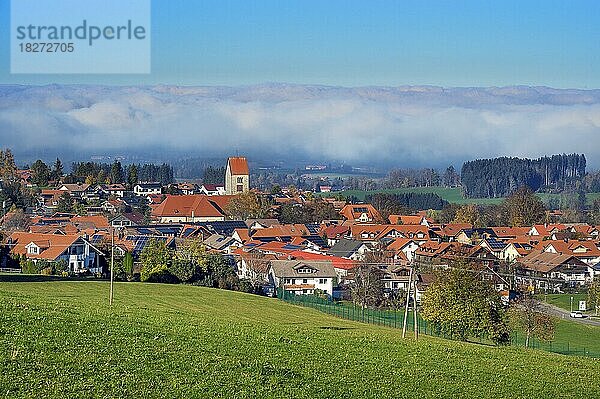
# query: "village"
300, 258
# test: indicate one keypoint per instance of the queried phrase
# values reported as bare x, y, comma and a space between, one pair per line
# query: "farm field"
61, 339
452, 195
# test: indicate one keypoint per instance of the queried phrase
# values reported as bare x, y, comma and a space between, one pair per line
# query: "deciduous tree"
461, 305
527, 316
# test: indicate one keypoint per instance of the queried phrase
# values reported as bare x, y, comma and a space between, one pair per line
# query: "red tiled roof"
53, 245
238, 166
186, 205
337, 262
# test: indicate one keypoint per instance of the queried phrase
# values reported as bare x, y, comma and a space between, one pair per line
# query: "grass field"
563, 300
452, 195
61, 340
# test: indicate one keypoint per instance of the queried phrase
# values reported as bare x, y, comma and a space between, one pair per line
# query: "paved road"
564, 314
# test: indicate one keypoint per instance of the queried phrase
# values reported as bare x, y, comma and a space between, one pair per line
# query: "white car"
577, 315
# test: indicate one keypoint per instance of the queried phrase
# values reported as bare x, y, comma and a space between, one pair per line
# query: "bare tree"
367, 289
527, 316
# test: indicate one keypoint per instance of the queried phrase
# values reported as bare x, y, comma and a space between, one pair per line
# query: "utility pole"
416, 320
408, 288
571, 304
112, 263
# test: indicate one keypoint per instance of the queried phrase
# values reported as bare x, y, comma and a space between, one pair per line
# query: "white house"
302, 277
147, 189
79, 254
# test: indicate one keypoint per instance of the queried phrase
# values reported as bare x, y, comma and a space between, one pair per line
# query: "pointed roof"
238, 166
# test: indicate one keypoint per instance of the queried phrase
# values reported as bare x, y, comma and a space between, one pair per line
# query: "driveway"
564, 314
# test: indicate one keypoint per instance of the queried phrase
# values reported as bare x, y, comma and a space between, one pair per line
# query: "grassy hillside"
452, 195
60, 339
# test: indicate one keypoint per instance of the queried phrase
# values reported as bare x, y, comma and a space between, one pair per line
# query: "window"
240, 180
304, 281
32, 250
322, 281
240, 188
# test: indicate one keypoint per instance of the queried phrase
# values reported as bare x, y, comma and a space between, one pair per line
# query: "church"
237, 176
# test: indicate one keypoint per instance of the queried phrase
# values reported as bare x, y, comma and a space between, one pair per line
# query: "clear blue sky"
359, 43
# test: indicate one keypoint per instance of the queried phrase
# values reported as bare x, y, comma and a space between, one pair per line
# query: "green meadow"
60, 339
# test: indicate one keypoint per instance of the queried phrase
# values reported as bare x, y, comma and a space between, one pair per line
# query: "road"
564, 314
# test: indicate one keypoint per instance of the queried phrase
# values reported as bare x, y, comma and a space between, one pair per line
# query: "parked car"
577, 314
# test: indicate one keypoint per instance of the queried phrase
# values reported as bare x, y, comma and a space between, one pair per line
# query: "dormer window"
305, 270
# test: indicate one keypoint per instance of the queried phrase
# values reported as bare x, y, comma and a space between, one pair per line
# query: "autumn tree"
467, 214
367, 287
524, 208
246, 206
594, 295
461, 305
155, 259
527, 316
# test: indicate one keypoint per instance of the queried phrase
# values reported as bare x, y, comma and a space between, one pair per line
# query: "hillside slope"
60, 339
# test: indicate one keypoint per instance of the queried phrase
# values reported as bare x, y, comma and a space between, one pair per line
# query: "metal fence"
395, 319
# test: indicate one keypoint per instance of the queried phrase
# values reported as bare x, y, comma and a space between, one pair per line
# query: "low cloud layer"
404, 126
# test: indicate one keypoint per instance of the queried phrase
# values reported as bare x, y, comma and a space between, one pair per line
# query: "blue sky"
361, 43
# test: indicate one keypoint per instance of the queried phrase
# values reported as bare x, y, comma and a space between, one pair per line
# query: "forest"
500, 177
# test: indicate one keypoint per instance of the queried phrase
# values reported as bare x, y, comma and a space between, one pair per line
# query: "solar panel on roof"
96, 238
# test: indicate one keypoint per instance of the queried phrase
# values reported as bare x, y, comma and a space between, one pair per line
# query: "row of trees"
462, 305
499, 177
522, 208
190, 263
101, 173
459, 304
390, 204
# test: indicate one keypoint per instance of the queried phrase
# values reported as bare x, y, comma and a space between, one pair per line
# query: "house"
191, 209
349, 249
237, 176
545, 230
549, 271
586, 251
212, 189
474, 236
515, 249
302, 277
221, 243
334, 233
79, 254
403, 248
113, 190
253, 266
146, 189
187, 188
361, 213
409, 219
494, 245
127, 219
79, 190
341, 266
